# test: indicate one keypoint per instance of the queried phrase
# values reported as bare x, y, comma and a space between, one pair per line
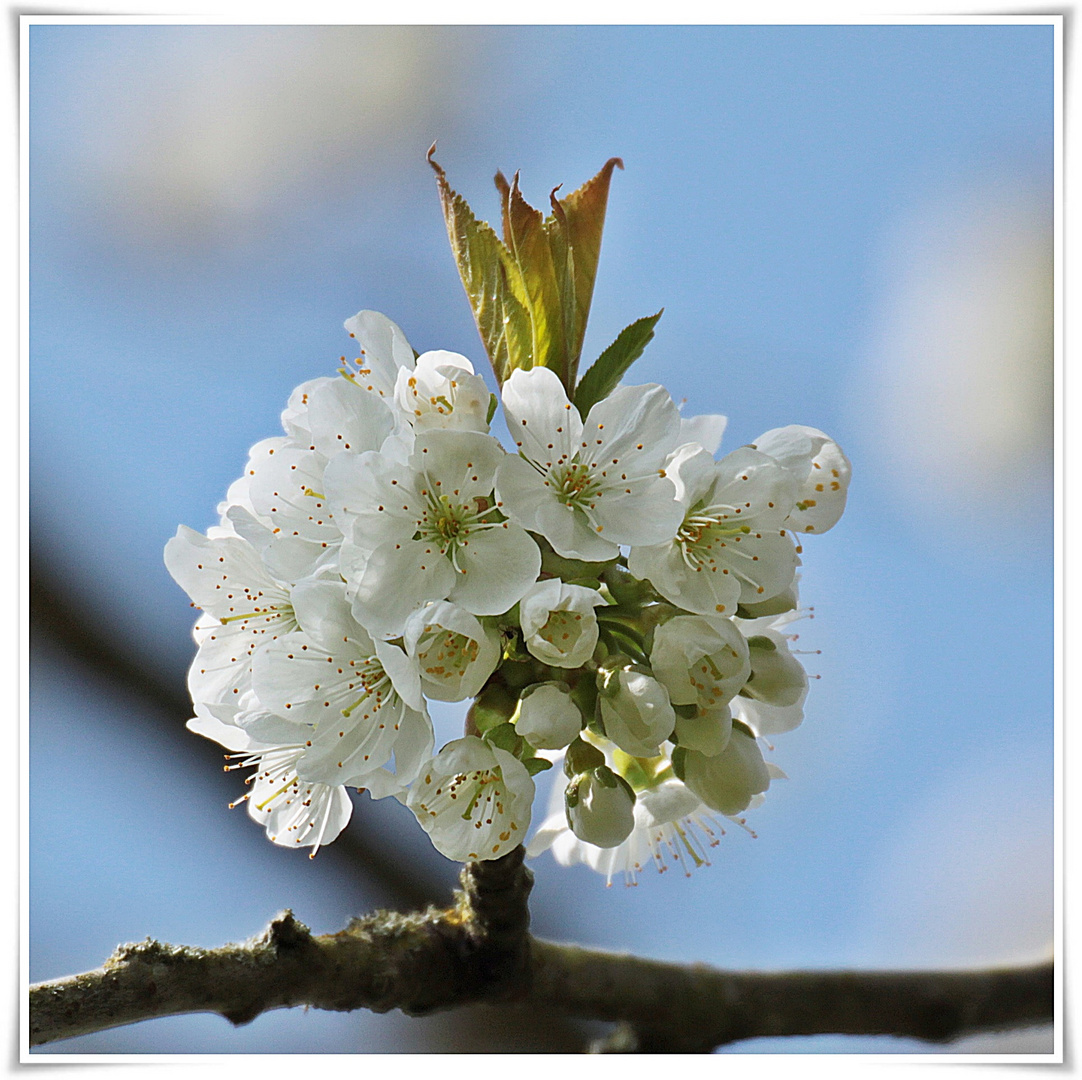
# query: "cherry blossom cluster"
609, 596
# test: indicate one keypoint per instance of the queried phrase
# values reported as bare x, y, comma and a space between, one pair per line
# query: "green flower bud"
600, 807
726, 781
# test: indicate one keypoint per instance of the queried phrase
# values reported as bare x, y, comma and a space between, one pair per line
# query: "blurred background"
849, 227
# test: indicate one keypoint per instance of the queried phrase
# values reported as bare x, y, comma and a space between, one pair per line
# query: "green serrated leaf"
609, 368
493, 282
536, 765
493, 404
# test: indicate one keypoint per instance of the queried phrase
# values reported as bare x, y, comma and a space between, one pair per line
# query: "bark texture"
480, 950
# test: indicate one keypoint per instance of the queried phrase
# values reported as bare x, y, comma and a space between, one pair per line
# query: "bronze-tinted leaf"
493, 282
525, 238
574, 233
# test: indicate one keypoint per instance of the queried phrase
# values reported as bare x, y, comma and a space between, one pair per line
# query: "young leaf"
574, 233
609, 368
493, 282
525, 238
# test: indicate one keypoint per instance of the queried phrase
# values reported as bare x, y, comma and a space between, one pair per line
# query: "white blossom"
430, 530
731, 546
473, 799
700, 661
454, 651
558, 623
589, 486
442, 391
819, 466
294, 813
377, 555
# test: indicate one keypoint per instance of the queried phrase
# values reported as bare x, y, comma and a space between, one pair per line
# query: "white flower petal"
324, 614
344, 417
374, 499
705, 430
398, 579
496, 567
637, 425
643, 511
384, 350
543, 423
299, 681
458, 464
819, 466
224, 576
403, 673
287, 490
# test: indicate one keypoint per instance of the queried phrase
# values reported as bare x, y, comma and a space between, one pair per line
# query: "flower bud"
635, 710
547, 717
706, 732
600, 807
558, 622
777, 676
727, 781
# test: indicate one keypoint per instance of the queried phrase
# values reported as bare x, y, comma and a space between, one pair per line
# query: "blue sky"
847, 227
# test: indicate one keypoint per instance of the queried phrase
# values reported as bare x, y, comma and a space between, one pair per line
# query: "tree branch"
480, 950
694, 1008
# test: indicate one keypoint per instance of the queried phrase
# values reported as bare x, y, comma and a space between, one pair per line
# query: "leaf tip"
557, 209
431, 160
